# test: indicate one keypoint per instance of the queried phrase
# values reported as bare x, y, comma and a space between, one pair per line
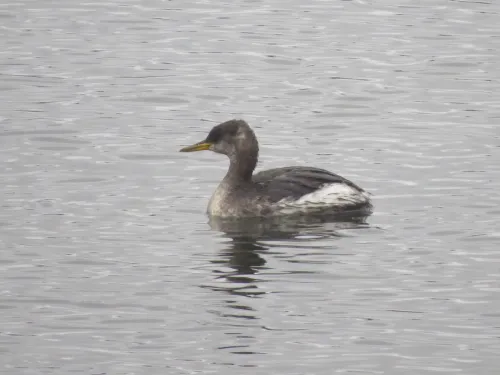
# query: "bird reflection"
244, 260
285, 228
254, 240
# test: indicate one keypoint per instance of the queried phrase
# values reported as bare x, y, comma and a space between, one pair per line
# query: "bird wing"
295, 182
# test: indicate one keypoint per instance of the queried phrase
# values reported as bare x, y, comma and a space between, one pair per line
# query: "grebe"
278, 191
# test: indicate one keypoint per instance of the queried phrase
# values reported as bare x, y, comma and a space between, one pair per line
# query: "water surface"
109, 263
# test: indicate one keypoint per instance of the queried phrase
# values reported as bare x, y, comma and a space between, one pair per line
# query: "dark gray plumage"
276, 191
296, 181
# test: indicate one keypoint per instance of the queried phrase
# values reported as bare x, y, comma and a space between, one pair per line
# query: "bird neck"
242, 165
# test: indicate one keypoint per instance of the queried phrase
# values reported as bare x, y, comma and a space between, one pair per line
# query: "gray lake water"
109, 264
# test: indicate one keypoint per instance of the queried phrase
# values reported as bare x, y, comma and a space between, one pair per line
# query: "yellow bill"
200, 146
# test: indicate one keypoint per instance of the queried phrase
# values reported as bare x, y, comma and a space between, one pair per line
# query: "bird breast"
216, 205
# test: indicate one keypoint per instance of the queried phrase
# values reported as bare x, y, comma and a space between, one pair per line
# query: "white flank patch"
331, 195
